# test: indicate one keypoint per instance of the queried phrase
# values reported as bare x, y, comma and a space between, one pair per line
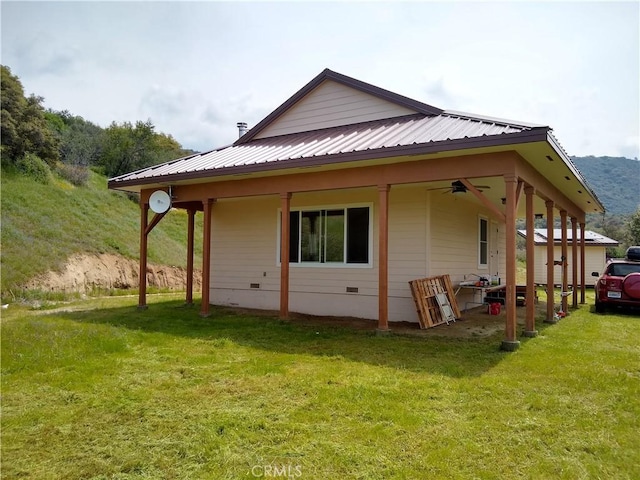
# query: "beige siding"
332, 104
243, 252
454, 237
454, 243
429, 234
594, 258
408, 215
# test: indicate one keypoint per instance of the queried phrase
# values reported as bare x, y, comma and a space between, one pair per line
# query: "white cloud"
197, 68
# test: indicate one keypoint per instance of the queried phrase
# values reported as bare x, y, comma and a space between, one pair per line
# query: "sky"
195, 69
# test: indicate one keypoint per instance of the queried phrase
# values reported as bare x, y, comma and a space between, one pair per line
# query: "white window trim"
310, 208
481, 218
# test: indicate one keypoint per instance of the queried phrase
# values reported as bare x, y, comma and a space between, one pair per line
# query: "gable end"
332, 99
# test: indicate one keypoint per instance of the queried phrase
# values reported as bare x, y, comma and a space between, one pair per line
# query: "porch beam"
519, 190
484, 200
550, 264
510, 343
207, 205
383, 257
154, 221
285, 229
530, 319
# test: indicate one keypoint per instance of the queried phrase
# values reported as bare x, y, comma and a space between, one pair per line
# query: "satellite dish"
160, 201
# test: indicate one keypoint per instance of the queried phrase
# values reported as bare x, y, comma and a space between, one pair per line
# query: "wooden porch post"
510, 342
206, 256
550, 281
574, 262
530, 321
383, 257
142, 289
190, 241
565, 263
582, 264
285, 207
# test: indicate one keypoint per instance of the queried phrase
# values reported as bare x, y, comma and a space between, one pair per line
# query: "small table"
521, 294
481, 290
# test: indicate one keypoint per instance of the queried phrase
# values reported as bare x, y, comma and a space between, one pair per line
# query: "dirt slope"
85, 273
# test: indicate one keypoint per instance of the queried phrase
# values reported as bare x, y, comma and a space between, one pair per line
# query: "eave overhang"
463, 146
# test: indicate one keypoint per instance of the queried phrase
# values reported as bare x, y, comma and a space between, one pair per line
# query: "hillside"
44, 225
615, 180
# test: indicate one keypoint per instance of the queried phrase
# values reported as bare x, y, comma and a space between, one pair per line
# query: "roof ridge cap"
487, 118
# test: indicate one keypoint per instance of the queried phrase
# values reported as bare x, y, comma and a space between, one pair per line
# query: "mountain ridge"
614, 180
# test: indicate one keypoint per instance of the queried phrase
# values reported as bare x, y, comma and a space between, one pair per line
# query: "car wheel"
600, 308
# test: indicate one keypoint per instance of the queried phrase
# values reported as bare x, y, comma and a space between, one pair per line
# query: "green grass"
102, 390
42, 225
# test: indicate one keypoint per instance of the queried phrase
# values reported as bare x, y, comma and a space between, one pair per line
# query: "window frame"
483, 242
328, 207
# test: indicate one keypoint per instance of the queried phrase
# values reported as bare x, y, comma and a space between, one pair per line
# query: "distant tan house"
595, 253
347, 191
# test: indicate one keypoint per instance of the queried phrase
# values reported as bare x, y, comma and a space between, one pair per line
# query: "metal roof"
430, 131
590, 237
387, 136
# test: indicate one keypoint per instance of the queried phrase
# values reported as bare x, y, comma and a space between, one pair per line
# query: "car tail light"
615, 283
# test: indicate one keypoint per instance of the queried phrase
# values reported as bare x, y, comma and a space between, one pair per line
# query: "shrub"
134, 197
78, 175
33, 166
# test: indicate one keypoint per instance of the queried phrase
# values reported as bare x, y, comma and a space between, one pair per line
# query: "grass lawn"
104, 391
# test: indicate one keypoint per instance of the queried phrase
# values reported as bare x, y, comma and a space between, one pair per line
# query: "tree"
24, 126
127, 148
80, 140
634, 228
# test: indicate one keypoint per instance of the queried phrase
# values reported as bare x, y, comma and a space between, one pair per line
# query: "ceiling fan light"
458, 187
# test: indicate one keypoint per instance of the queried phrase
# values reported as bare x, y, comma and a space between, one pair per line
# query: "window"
332, 235
483, 243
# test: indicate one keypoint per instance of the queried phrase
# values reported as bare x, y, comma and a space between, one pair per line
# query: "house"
347, 191
595, 254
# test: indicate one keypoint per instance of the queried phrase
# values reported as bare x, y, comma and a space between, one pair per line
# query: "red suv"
619, 285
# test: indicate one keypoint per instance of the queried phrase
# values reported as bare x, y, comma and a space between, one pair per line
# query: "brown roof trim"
327, 74
527, 136
572, 167
590, 241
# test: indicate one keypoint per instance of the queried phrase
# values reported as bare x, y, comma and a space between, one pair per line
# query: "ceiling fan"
459, 187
